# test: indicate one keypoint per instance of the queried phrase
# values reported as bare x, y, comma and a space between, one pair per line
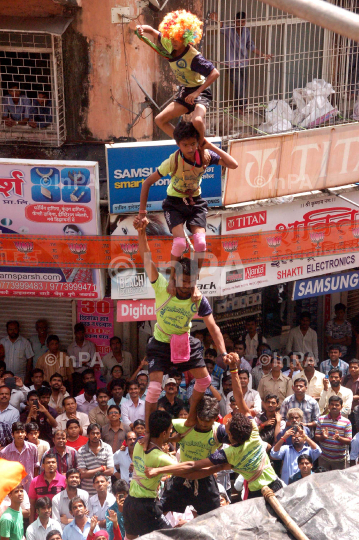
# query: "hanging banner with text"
116, 252
48, 198
307, 288
98, 318
291, 163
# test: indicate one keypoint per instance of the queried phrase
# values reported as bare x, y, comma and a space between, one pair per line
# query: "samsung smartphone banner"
48, 198
129, 164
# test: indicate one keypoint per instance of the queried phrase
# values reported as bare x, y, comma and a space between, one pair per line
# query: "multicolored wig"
183, 26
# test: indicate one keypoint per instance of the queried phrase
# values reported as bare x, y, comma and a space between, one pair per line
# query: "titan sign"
298, 162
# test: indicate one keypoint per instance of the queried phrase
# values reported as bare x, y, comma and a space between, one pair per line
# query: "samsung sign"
129, 164
306, 288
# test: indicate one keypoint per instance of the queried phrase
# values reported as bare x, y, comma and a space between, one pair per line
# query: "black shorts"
276, 485
177, 212
159, 356
205, 97
176, 496
142, 516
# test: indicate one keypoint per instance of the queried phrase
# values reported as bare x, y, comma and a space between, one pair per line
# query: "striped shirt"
28, 457
332, 449
66, 462
88, 460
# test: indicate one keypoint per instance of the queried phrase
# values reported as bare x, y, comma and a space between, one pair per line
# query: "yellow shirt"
181, 67
183, 175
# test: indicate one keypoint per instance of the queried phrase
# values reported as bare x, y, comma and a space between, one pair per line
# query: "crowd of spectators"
74, 425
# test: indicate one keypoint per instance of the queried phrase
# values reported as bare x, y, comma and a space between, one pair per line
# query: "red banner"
122, 252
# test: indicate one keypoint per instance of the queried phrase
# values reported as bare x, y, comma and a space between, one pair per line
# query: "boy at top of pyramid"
184, 204
178, 33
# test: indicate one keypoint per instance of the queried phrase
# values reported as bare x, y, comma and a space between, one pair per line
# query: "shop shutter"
27, 311
352, 304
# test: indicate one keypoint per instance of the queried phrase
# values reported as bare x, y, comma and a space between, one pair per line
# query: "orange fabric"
301, 241
226, 418
11, 474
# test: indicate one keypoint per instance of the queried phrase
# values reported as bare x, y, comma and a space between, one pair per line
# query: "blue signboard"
129, 164
306, 288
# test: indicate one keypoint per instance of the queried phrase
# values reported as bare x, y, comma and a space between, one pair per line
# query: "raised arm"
150, 180
144, 249
231, 360
146, 29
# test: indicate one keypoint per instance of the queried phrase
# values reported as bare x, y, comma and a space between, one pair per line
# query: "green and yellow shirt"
190, 68
246, 458
176, 316
141, 486
196, 445
185, 175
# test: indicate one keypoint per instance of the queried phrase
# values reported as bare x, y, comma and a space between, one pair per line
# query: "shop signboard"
290, 163
98, 318
134, 311
52, 198
315, 211
319, 286
129, 164
250, 277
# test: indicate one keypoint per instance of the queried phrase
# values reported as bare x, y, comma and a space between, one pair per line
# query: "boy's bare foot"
171, 287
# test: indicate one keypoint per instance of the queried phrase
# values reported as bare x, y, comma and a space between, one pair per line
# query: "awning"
43, 25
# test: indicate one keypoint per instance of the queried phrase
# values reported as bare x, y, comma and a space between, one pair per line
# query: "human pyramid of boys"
207, 449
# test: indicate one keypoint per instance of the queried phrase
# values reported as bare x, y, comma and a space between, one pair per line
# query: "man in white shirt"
134, 408
302, 338
60, 503
18, 394
18, 352
101, 502
123, 459
335, 376
251, 397
39, 529
315, 378
70, 406
87, 401
252, 339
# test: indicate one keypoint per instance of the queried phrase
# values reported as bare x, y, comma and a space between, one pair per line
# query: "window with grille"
31, 88
300, 52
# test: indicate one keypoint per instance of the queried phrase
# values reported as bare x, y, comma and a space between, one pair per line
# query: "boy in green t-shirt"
196, 443
184, 204
141, 510
11, 522
246, 454
174, 315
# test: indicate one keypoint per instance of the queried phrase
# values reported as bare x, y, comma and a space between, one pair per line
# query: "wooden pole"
321, 13
284, 516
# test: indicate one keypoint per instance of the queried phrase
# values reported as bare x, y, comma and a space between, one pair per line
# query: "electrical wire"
128, 82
